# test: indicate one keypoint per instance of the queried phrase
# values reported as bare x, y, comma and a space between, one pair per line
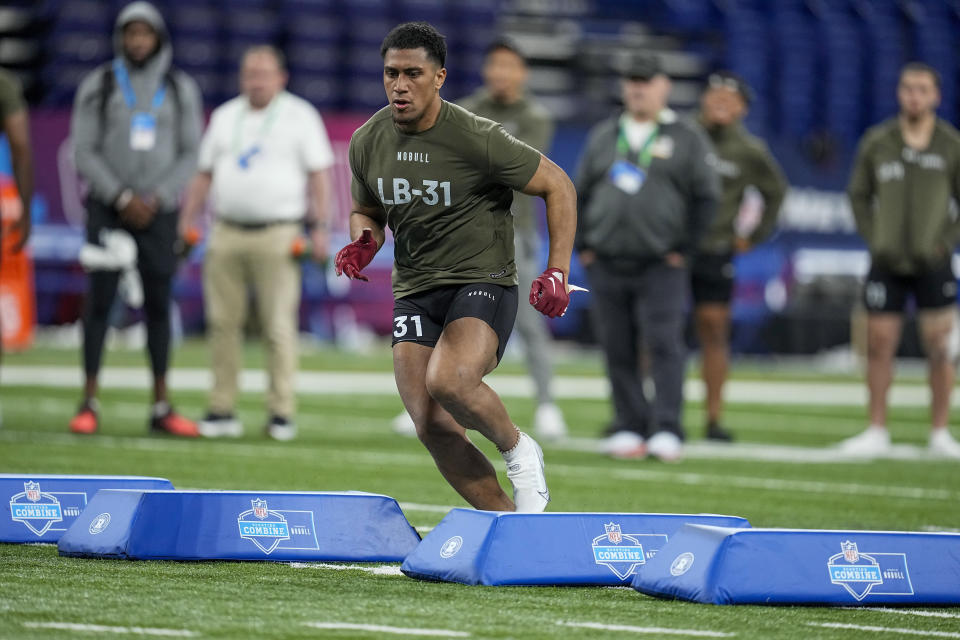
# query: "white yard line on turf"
380, 459
908, 612
660, 631
378, 628
874, 629
383, 570
99, 628
514, 386
694, 450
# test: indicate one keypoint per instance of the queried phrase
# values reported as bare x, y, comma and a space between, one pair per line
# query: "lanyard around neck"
645, 156
129, 96
268, 121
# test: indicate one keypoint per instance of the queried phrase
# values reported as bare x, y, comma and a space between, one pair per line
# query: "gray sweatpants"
638, 319
530, 323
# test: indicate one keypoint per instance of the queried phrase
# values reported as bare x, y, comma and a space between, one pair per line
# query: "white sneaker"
220, 426
943, 445
525, 471
665, 446
874, 441
549, 423
624, 444
403, 425
281, 429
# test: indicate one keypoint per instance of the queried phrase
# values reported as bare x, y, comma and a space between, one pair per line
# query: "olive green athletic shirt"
901, 197
11, 96
447, 193
525, 119
742, 161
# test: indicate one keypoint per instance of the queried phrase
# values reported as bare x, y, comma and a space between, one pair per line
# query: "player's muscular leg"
467, 351
883, 336
935, 326
458, 460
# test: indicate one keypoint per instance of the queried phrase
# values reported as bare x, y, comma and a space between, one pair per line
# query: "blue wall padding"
241, 525
40, 508
796, 566
493, 548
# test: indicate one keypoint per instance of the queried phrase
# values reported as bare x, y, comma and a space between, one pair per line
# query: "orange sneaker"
86, 421
174, 424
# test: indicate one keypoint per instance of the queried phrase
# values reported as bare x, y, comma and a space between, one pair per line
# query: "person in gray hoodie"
646, 193
135, 131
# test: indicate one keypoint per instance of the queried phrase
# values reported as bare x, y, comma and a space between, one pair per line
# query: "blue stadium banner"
241, 525
804, 566
42, 507
494, 548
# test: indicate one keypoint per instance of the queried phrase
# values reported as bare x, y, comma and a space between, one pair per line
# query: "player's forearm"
360, 221
561, 224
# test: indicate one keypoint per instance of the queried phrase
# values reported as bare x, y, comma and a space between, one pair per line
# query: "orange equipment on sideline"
18, 306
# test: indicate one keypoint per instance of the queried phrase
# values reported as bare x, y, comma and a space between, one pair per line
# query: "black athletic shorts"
711, 278
422, 316
886, 291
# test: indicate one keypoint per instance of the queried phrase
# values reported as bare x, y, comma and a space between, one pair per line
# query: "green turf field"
346, 443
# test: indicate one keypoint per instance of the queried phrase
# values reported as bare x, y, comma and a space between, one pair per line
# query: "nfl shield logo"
850, 553
32, 489
259, 508
614, 534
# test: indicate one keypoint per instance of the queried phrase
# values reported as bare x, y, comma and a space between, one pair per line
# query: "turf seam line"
876, 629
660, 631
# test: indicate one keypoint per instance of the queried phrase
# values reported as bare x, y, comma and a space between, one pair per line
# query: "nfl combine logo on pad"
263, 527
37, 510
862, 574
621, 553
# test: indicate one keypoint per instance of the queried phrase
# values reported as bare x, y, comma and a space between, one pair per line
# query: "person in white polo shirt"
264, 156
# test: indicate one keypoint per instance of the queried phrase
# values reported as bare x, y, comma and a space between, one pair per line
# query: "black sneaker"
717, 433
280, 428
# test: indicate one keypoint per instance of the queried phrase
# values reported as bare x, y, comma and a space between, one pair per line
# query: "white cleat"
403, 425
874, 441
943, 445
549, 423
525, 471
665, 446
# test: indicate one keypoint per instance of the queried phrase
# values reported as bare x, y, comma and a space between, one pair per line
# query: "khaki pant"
236, 260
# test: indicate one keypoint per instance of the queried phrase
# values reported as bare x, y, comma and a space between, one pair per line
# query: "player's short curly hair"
414, 35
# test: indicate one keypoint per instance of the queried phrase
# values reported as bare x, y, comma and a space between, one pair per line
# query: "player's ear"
440, 78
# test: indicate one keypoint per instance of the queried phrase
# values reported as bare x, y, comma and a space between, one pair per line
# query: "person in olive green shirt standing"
503, 99
906, 173
742, 161
15, 124
443, 179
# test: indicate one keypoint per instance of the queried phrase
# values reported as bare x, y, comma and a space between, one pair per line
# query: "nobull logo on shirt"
270, 529
863, 574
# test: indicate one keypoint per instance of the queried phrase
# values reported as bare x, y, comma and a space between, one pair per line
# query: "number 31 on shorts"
405, 323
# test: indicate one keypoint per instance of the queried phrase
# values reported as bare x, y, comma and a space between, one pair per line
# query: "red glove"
355, 256
548, 293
